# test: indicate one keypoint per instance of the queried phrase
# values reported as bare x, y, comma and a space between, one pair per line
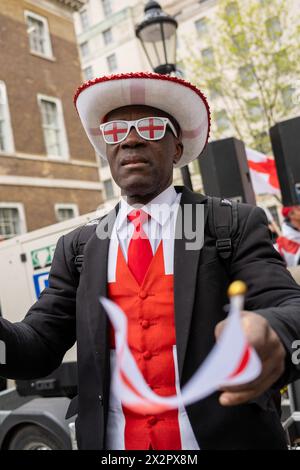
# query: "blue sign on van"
41, 281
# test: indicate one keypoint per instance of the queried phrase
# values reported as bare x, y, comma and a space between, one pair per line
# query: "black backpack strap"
84, 235
223, 223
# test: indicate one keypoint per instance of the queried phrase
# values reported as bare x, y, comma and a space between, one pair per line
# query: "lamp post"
157, 33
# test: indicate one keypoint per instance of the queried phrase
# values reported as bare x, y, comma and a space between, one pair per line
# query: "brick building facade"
48, 170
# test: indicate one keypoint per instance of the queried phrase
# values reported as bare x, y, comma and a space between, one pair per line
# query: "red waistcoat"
151, 338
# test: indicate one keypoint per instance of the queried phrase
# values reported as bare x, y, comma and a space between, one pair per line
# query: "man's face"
142, 167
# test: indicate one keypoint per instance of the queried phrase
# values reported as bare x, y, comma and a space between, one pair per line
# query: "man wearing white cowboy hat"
145, 125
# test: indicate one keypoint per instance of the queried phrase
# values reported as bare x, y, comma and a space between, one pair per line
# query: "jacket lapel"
186, 266
95, 261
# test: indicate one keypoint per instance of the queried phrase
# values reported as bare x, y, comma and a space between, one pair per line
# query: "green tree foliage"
247, 55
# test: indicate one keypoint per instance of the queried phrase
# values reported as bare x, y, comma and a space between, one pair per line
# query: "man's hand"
272, 355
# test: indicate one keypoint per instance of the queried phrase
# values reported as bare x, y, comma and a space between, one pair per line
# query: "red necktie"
139, 250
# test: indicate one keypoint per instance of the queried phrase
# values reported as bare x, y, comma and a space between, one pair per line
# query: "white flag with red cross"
232, 361
263, 172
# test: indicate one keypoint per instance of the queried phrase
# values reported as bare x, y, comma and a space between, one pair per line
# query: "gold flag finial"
237, 288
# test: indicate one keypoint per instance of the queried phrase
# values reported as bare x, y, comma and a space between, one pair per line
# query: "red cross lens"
149, 128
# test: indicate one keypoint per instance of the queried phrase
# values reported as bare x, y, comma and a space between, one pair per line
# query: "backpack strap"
84, 235
223, 223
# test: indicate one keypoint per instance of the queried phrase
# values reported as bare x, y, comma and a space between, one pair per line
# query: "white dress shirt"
159, 226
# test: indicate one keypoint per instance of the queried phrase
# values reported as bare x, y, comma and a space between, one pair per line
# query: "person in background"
272, 225
288, 244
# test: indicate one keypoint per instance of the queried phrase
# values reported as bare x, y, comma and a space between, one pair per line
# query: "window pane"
2, 120
37, 35
49, 113
208, 56
107, 9
2, 135
107, 36
84, 49
6, 143
201, 26
9, 222
52, 142
88, 73
84, 18
51, 127
112, 63
65, 213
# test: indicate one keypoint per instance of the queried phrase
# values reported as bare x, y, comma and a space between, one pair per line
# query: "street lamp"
157, 33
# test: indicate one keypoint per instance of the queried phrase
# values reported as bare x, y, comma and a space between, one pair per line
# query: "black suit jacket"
69, 309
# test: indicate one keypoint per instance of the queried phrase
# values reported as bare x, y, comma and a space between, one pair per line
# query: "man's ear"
178, 151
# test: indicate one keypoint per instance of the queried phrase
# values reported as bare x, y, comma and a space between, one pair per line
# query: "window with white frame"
88, 73
208, 56
38, 33
112, 63
12, 220
84, 49
84, 19
201, 26
107, 36
107, 7
66, 211
53, 126
6, 137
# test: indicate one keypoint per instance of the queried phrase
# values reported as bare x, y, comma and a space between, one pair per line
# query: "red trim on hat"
149, 75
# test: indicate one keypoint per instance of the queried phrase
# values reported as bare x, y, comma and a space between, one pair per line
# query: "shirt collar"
159, 208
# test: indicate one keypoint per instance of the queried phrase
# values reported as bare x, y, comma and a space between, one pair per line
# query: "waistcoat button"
143, 294
145, 324
147, 355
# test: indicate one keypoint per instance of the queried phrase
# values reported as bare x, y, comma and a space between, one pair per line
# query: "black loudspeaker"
285, 138
225, 172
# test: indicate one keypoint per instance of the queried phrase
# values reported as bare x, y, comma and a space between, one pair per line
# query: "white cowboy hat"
177, 97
